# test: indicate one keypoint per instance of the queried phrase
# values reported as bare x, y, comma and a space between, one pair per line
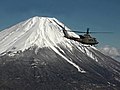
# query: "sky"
98, 15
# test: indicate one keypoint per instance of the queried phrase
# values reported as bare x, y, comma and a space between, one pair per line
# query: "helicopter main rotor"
89, 32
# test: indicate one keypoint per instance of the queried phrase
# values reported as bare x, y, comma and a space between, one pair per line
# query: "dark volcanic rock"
46, 70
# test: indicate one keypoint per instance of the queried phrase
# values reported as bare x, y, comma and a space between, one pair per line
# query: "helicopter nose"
97, 42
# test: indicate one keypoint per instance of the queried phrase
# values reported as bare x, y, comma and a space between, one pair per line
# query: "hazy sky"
98, 15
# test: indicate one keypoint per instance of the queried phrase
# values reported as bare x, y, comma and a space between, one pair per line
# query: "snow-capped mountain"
39, 31
35, 55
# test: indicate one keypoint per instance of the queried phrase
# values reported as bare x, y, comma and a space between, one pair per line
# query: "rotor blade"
100, 32
89, 32
77, 31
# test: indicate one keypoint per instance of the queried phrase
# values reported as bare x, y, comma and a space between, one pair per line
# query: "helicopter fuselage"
87, 39
84, 39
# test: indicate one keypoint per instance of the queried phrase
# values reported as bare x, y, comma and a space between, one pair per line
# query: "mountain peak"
39, 31
45, 17
37, 18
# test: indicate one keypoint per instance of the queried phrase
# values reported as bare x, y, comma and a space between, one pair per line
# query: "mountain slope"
35, 55
40, 31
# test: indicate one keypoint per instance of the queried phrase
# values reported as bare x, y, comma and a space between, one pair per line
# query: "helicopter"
84, 39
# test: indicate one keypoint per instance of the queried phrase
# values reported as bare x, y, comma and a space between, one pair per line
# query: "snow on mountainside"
40, 32
35, 55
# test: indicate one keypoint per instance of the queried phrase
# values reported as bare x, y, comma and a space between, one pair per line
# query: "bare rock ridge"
35, 55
